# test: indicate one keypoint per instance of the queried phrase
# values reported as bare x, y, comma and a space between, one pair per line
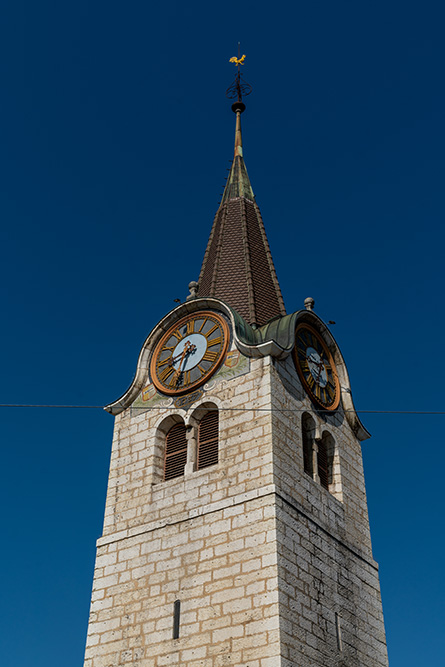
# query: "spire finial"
238, 87
309, 303
193, 289
238, 266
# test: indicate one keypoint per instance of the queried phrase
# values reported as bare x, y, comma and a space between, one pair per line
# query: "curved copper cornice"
275, 339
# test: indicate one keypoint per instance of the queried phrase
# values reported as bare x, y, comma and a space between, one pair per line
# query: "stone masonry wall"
208, 539
330, 606
271, 569
343, 510
221, 565
136, 493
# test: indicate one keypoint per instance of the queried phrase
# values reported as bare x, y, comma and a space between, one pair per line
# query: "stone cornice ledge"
232, 501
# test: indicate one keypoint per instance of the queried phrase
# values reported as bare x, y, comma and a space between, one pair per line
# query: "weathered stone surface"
267, 563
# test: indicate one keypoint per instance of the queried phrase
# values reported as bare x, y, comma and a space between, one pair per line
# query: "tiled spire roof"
238, 266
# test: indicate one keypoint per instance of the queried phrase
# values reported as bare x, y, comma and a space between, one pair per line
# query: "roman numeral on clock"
210, 356
165, 373
215, 341
331, 391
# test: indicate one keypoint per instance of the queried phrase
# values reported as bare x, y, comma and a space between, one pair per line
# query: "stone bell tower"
236, 529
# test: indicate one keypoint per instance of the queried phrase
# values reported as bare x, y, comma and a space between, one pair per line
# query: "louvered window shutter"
307, 453
208, 440
323, 464
175, 452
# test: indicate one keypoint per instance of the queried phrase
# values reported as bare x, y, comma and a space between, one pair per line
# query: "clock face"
189, 352
316, 367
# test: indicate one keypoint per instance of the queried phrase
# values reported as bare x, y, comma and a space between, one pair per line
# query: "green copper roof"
238, 183
281, 330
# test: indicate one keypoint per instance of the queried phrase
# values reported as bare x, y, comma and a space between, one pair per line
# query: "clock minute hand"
320, 365
314, 361
183, 354
173, 360
188, 349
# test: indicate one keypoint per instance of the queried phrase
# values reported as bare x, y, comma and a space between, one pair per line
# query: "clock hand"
320, 368
188, 349
314, 361
177, 372
320, 365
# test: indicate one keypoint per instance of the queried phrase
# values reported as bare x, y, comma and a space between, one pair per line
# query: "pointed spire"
238, 183
238, 135
238, 266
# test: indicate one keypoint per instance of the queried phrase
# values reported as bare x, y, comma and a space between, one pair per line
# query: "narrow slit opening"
338, 629
176, 618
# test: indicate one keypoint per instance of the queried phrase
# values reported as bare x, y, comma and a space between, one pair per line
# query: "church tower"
236, 530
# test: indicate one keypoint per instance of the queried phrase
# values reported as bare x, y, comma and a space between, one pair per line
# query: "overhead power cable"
227, 409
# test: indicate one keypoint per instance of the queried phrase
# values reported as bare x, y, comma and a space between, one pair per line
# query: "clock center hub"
189, 352
316, 367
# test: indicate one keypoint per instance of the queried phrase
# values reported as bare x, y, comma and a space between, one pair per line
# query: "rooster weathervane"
239, 87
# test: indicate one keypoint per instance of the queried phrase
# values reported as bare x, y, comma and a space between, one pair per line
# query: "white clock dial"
316, 367
189, 352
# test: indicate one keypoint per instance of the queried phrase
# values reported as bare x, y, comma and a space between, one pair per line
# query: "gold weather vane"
238, 87
237, 61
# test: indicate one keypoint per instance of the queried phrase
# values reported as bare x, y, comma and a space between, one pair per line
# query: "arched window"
208, 440
175, 452
308, 434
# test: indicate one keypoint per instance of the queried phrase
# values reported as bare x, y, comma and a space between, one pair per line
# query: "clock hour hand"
314, 361
320, 364
188, 349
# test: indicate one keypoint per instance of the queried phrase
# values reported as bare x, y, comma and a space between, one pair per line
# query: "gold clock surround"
325, 394
196, 330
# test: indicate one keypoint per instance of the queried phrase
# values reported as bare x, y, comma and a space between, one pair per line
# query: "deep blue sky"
115, 137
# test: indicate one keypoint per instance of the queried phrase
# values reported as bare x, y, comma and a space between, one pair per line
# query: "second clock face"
316, 367
189, 352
